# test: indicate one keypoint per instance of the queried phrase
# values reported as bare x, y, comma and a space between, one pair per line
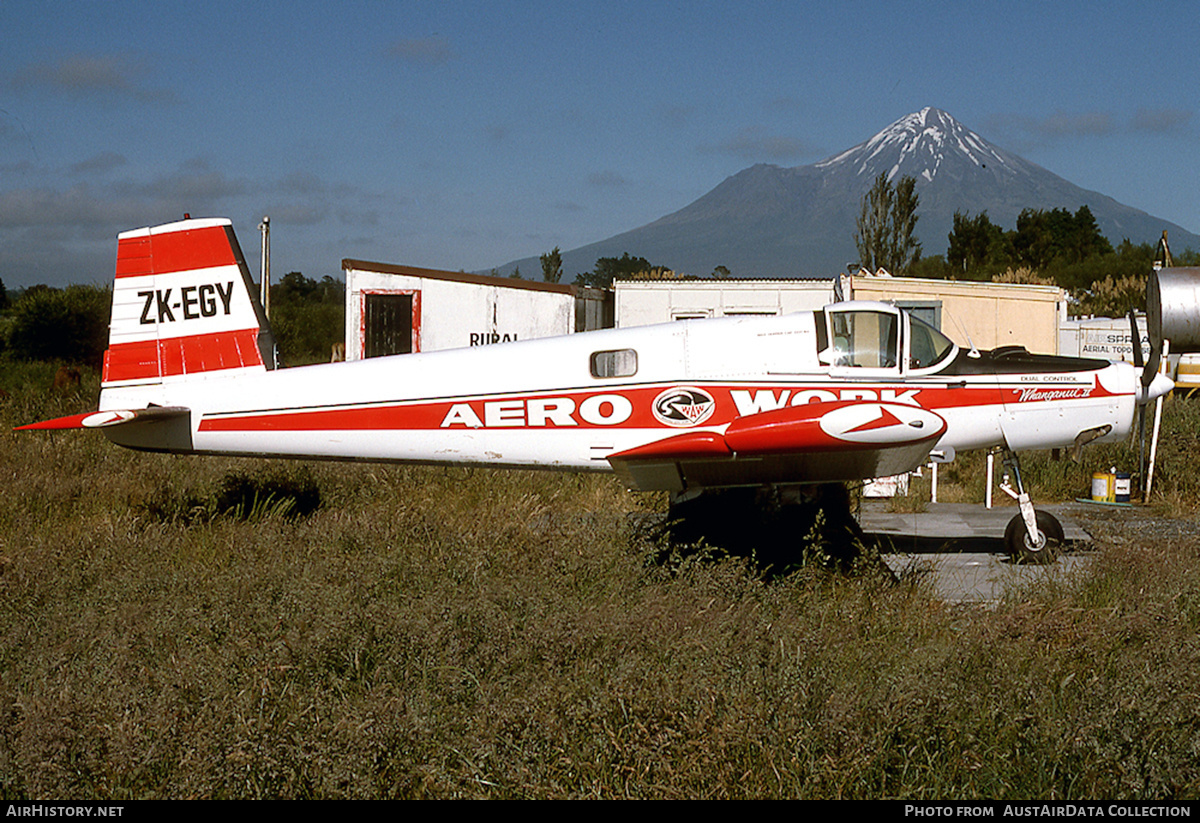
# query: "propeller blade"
1150, 371
1136, 337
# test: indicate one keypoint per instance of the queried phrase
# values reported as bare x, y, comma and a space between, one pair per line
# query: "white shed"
643, 302
1105, 338
400, 309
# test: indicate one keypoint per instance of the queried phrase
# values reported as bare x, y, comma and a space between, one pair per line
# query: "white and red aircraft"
854, 391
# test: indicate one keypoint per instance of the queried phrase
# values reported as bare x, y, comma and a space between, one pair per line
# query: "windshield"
927, 346
865, 339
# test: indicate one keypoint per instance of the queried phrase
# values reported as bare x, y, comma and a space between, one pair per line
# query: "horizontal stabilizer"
104, 419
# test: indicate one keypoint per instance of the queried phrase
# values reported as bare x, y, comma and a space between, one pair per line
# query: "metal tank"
1173, 308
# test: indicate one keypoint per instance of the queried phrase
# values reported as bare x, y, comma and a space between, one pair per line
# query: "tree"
887, 224
1084, 238
295, 288
720, 273
933, 267
976, 243
307, 317
552, 266
612, 268
1045, 236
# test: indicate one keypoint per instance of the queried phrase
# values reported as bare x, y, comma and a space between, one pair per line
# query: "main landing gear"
781, 527
1032, 536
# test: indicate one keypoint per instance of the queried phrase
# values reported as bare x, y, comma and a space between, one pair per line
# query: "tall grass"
455, 633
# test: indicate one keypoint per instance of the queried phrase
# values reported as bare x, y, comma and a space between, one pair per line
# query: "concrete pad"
955, 521
962, 547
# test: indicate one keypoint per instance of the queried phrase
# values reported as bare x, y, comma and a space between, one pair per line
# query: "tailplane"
184, 307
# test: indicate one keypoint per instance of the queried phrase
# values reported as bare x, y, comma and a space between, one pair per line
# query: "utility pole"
265, 266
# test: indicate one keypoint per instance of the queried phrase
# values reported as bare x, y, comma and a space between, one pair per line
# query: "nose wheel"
1041, 547
1032, 536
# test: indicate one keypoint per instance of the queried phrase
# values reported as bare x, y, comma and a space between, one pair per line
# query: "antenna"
974, 352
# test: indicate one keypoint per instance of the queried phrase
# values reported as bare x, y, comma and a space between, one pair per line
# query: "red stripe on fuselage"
542, 410
537, 410
149, 359
176, 251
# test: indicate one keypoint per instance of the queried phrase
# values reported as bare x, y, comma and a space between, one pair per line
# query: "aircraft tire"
1044, 549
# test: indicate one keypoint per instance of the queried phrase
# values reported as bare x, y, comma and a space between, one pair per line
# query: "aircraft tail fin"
184, 307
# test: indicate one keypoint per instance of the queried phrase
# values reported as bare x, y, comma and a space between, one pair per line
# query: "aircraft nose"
1160, 385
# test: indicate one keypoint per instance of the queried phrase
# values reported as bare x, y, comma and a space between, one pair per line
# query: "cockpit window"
617, 363
865, 339
927, 346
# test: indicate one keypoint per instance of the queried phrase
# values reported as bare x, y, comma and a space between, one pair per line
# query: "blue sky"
462, 135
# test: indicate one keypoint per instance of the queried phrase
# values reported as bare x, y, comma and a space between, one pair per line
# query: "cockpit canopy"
927, 347
876, 337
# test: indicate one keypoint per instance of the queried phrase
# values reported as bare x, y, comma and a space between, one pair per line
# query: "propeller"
1139, 362
1154, 384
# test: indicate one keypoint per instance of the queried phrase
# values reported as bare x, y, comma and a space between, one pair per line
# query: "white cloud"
99, 163
754, 144
606, 178
105, 77
428, 51
1160, 121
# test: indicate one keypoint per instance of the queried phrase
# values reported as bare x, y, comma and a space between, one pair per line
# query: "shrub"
68, 324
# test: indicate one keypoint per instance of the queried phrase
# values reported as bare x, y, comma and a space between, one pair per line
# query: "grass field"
182, 627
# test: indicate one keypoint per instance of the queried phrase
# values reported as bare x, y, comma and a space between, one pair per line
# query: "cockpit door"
863, 343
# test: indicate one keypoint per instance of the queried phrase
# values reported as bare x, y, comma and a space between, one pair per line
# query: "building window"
927, 311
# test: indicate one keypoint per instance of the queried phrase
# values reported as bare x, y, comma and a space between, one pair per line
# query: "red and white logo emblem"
683, 406
882, 423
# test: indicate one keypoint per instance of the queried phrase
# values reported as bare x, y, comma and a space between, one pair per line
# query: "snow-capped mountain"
769, 221
921, 144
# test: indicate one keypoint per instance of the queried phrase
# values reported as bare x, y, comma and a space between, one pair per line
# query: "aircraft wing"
105, 419
812, 443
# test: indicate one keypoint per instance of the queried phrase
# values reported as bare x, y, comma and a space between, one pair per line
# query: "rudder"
184, 306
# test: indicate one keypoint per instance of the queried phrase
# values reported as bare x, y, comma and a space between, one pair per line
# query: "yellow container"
1104, 487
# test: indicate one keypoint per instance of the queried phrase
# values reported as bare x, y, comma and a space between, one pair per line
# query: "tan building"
989, 314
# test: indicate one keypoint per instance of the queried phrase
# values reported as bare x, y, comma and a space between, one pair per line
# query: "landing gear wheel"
1024, 549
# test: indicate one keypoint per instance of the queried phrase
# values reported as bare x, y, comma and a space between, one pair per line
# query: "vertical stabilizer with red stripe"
184, 307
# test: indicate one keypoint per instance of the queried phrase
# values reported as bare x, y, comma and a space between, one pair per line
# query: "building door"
389, 325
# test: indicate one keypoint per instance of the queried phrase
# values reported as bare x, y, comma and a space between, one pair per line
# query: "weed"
916, 499
287, 493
